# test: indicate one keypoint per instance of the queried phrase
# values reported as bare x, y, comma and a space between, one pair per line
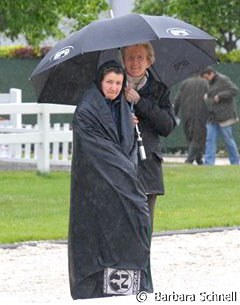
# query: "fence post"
15, 97
65, 145
56, 145
43, 161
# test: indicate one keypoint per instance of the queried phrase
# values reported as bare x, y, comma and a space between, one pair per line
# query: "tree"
151, 7
39, 19
220, 18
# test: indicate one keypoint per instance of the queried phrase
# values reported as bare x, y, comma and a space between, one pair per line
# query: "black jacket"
156, 116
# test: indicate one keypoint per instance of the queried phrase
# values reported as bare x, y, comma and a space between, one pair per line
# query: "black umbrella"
68, 68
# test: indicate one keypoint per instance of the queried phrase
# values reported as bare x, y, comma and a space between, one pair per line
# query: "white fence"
42, 144
13, 97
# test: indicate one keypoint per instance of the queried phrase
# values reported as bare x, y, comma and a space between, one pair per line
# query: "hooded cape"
109, 218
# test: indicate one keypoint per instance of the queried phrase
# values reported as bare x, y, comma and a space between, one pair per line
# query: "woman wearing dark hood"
109, 227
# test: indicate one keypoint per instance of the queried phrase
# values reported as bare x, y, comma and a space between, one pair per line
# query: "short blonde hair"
148, 47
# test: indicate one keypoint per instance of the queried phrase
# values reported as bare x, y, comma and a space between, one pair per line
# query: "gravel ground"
8, 165
182, 264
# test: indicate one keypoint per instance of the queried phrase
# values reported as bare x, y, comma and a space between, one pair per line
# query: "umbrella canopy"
68, 68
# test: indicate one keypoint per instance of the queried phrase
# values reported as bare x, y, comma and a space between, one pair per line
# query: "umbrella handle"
141, 148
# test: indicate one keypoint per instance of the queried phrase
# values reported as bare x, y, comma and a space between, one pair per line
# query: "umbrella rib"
152, 29
97, 62
214, 59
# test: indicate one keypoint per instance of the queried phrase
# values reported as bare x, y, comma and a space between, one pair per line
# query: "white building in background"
121, 7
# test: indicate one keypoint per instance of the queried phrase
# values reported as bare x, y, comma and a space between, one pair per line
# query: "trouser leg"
195, 152
210, 149
151, 199
191, 153
230, 144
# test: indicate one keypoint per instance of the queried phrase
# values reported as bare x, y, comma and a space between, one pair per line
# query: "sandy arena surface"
207, 263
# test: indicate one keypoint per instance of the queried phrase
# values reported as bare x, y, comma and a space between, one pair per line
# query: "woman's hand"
134, 120
132, 95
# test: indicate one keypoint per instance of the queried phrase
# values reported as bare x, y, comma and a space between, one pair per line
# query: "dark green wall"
15, 73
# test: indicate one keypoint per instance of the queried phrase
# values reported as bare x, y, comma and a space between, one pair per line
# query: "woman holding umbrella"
109, 227
155, 113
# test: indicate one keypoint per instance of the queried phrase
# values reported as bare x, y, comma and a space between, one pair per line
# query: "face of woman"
136, 60
111, 85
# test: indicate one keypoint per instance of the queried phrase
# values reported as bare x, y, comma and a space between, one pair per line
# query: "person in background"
154, 112
222, 114
109, 224
190, 107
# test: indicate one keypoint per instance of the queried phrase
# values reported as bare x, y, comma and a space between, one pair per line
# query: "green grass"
199, 197
36, 207
33, 207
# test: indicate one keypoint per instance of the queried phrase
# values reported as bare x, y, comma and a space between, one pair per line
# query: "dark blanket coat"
109, 219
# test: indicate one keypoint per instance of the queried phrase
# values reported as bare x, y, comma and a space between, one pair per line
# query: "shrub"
231, 57
31, 52
23, 52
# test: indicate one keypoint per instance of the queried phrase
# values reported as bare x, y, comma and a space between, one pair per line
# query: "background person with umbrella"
109, 227
155, 113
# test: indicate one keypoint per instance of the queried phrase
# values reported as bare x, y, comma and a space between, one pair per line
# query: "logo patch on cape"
123, 282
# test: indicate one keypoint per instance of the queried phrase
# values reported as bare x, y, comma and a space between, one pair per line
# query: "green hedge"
19, 51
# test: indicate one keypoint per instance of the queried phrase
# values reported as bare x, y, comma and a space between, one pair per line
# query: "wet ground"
198, 265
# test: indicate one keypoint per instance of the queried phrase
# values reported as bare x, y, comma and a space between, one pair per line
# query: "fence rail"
43, 143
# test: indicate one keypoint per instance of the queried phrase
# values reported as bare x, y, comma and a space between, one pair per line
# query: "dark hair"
207, 70
107, 67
